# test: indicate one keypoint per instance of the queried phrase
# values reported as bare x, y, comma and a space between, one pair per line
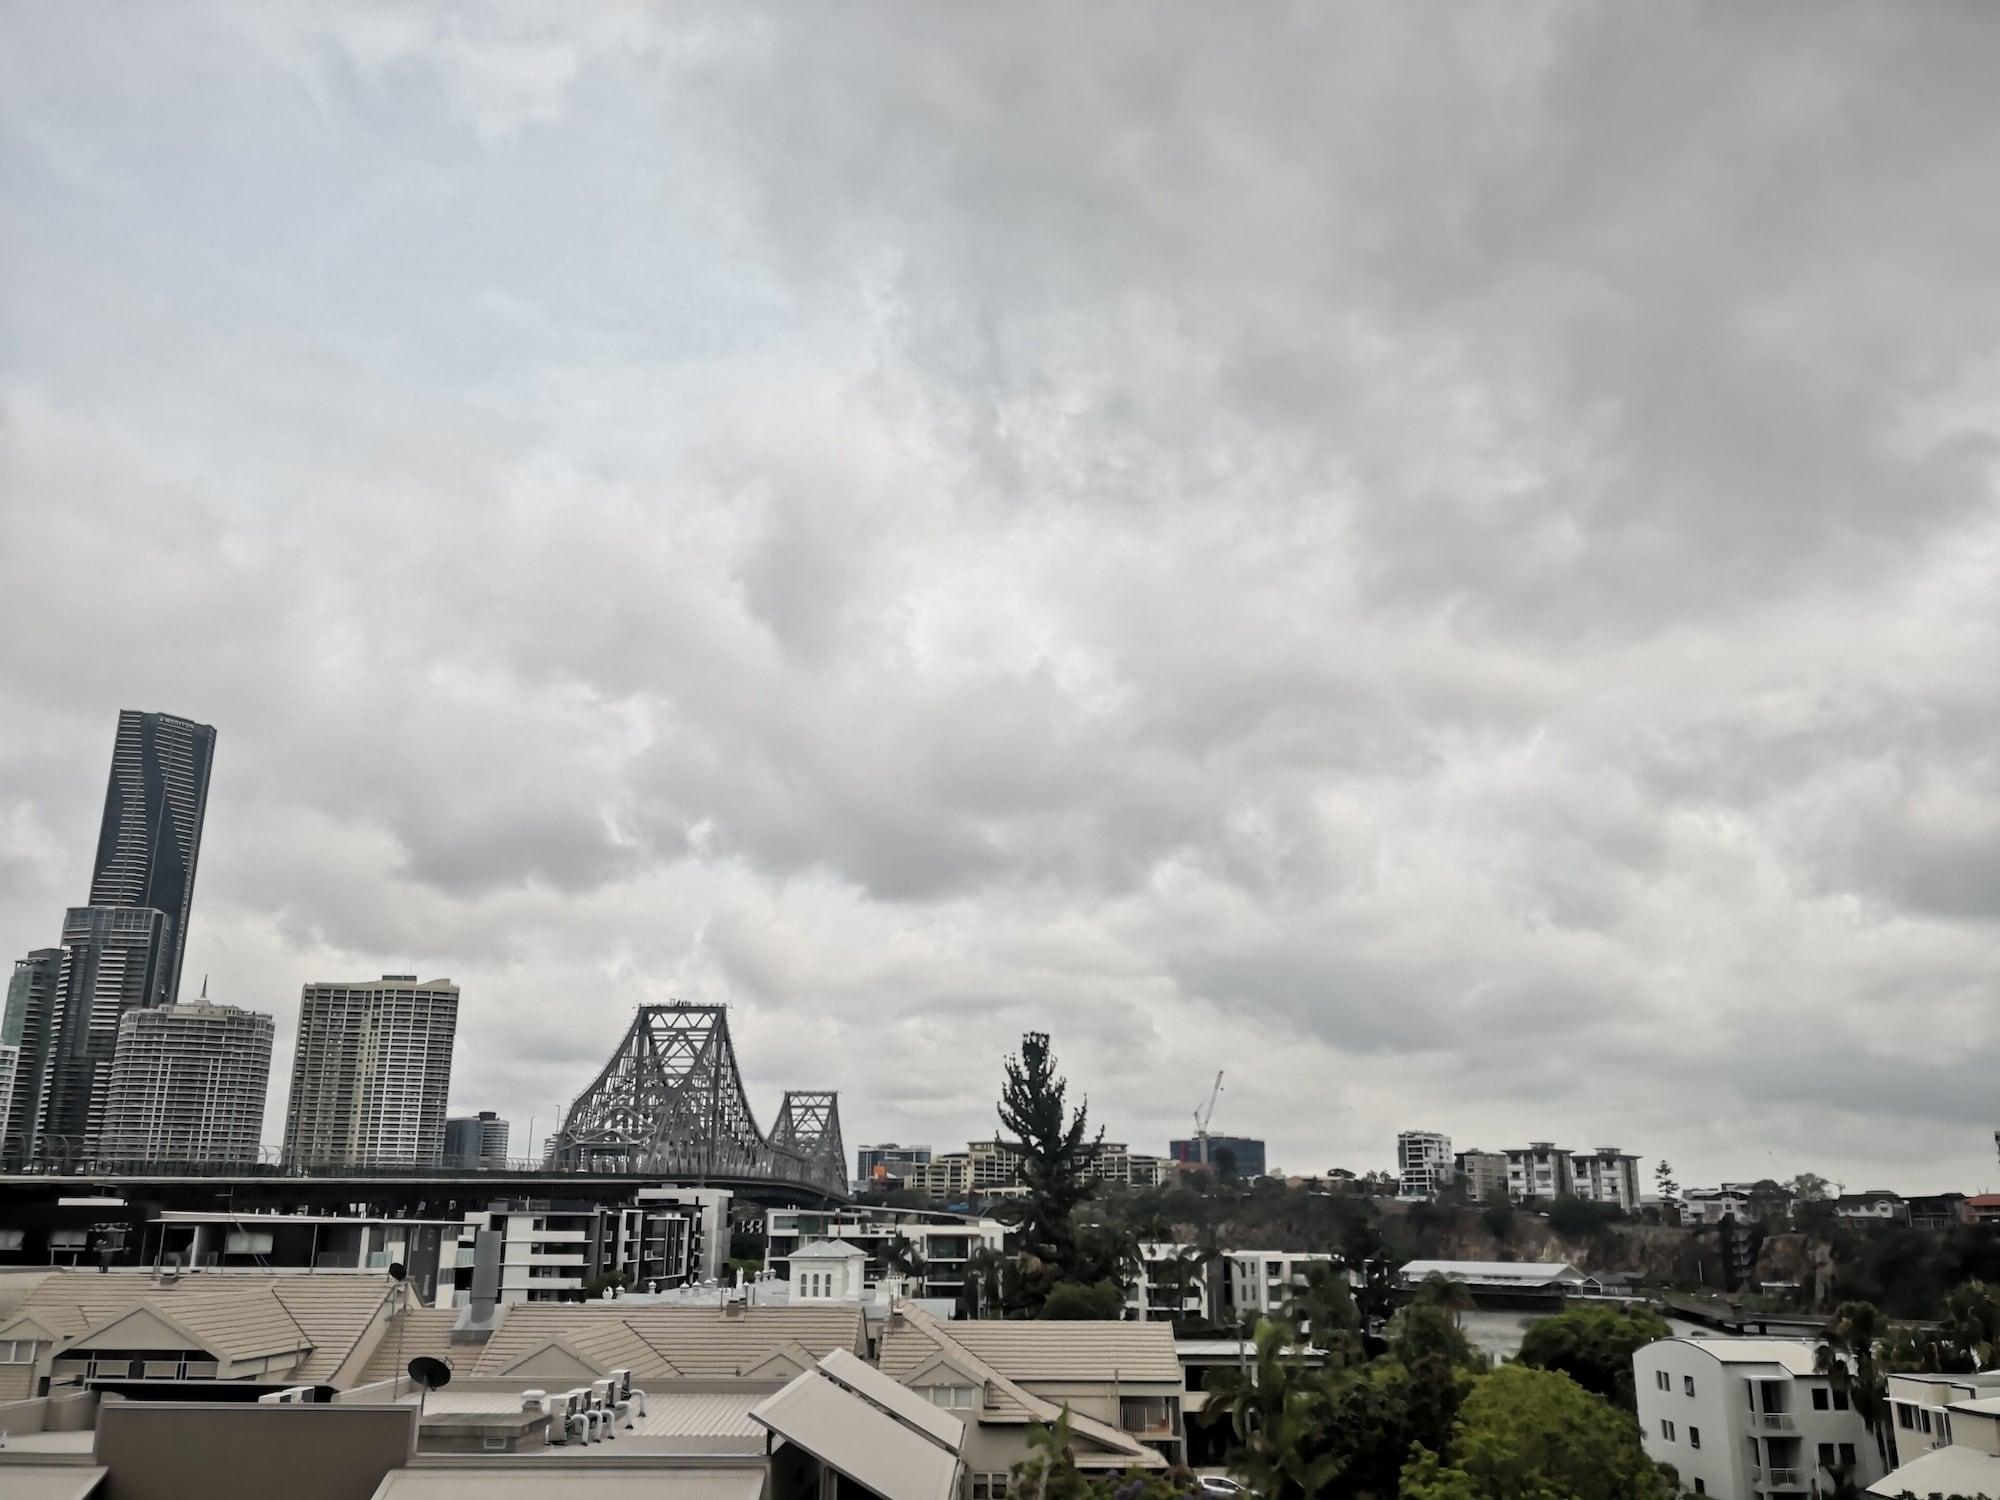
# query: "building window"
1667, 1430
989, 1486
1663, 1380
951, 1397
1694, 1437
1819, 1398
1847, 1455
1903, 1417
1687, 1381
1923, 1420
1839, 1399
1826, 1455
1701, 1487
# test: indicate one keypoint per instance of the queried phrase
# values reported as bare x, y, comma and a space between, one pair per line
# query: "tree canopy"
1526, 1434
1594, 1345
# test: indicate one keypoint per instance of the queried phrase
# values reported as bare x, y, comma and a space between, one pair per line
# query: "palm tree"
1273, 1405
1441, 1291
1848, 1355
902, 1257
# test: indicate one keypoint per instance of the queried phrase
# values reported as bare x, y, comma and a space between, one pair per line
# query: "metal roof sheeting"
537, 1480
864, 1443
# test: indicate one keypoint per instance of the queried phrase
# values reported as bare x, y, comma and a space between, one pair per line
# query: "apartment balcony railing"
1775, 1421
1785, 1479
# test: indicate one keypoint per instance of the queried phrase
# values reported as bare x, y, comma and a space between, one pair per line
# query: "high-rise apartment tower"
370, 1073
24, 1025
187, 1086
111, 955
150, 839
476, 1140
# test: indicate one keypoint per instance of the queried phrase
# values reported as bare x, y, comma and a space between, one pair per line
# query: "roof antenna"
204, 986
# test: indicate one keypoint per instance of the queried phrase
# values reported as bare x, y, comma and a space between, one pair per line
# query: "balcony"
1775, 1421
1784, 1479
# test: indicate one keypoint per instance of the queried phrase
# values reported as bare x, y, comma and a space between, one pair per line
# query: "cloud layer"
1444, 565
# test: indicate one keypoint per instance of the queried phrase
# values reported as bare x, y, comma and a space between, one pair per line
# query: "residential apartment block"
1743, 1419
549, 1250
370, 1072
943, 1243
1170, 1282
1118, 1163
1483, 1173
1538, 1170
1260, 1283
1424, 1163
24, 1025
110, 967
188, 1084
1947, 1435
1606, 1175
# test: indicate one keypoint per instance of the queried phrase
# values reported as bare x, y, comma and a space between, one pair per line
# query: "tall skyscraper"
370, 1073
187, 1085
110, 961
150, 839
476, 1140
24, 1025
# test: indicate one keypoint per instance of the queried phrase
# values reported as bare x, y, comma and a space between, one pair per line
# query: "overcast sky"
1441, 560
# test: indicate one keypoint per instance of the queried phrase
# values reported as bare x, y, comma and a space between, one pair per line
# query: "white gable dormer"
828, 1271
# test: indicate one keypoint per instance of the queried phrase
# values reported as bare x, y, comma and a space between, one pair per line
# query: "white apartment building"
1262, 1282
1876, 1206
942, 1243
1424, 1163
187, 1086
1116, 1162
1748, 1419
370, 1073
1171, 1283
1947, 1430
1606, 1175
1537, 1170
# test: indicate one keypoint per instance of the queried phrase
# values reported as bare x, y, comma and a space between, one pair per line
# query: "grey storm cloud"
1443, 563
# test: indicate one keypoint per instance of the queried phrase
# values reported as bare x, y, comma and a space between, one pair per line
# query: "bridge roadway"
385, 1190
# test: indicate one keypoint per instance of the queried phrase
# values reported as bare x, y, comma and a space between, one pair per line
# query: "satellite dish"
397, 1270
430, 1372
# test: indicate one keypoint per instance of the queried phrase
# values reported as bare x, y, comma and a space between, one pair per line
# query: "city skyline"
1386, 554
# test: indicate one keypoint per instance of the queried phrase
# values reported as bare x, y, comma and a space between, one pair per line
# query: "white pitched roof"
1944, 1471
1794, 1356
862, 1378
827, 1418
828, 1250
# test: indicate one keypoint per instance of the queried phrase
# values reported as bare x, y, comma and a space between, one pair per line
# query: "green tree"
1971, 1325
1594, 1345
1527, 1434
1079, 1301
1324, 1312
1431, 1367
1056, 1152
1444, 1292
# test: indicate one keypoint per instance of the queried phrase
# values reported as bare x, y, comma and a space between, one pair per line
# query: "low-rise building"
1984, 1208
1877, 1206
1424, 1163
1121, 1383
1742, 1419
1500, 1276
1947, 1432
1113, 1161
1704, 1205
1538, 1170
1938, 1211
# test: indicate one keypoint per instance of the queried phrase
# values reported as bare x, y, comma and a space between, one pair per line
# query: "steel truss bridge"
670, 1103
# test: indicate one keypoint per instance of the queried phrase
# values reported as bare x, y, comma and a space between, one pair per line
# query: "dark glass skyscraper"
24, 1024
151, 835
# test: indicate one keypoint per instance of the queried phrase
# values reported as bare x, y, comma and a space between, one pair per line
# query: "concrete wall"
174, 1450
71, 1412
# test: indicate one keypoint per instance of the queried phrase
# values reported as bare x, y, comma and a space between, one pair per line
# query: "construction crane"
1201, 1118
